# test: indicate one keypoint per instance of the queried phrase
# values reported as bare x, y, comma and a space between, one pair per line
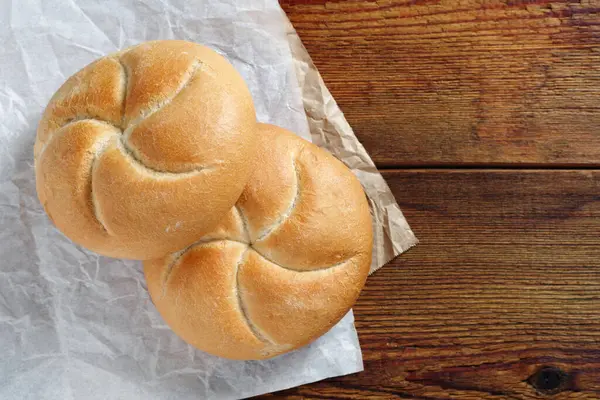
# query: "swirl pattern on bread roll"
282, 268
144, 150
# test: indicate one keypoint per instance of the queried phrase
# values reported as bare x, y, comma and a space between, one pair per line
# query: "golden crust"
297, 250
219, 302
163, 138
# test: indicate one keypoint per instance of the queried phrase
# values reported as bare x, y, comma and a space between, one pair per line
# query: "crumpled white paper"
74, 325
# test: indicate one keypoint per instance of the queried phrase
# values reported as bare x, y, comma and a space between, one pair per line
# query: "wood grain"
506, 281
429, 82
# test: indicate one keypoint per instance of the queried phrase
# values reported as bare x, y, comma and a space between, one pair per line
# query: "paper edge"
399, 245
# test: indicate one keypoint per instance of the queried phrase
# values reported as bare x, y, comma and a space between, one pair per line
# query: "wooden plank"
505, 282
428, 82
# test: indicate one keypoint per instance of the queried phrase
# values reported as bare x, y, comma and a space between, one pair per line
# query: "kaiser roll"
143, 151
284, 266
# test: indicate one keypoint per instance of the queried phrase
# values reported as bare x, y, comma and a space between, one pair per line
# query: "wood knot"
549, 380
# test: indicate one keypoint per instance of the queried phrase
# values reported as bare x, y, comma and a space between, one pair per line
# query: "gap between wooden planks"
506, 281
431, 82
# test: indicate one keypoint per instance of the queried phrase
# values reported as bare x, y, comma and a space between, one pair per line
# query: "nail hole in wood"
549, 380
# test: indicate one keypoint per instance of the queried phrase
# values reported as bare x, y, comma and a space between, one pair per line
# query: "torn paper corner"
329, 129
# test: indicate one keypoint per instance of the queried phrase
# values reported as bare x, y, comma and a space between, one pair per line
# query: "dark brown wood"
429, 82
501, 300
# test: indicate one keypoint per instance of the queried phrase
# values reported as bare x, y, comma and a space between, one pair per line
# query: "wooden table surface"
484, 117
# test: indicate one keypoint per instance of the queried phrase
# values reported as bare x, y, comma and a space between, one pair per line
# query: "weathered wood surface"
505, 282
501, 300
451, 82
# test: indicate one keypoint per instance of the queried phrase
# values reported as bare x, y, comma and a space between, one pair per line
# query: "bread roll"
285, 265
143, 151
